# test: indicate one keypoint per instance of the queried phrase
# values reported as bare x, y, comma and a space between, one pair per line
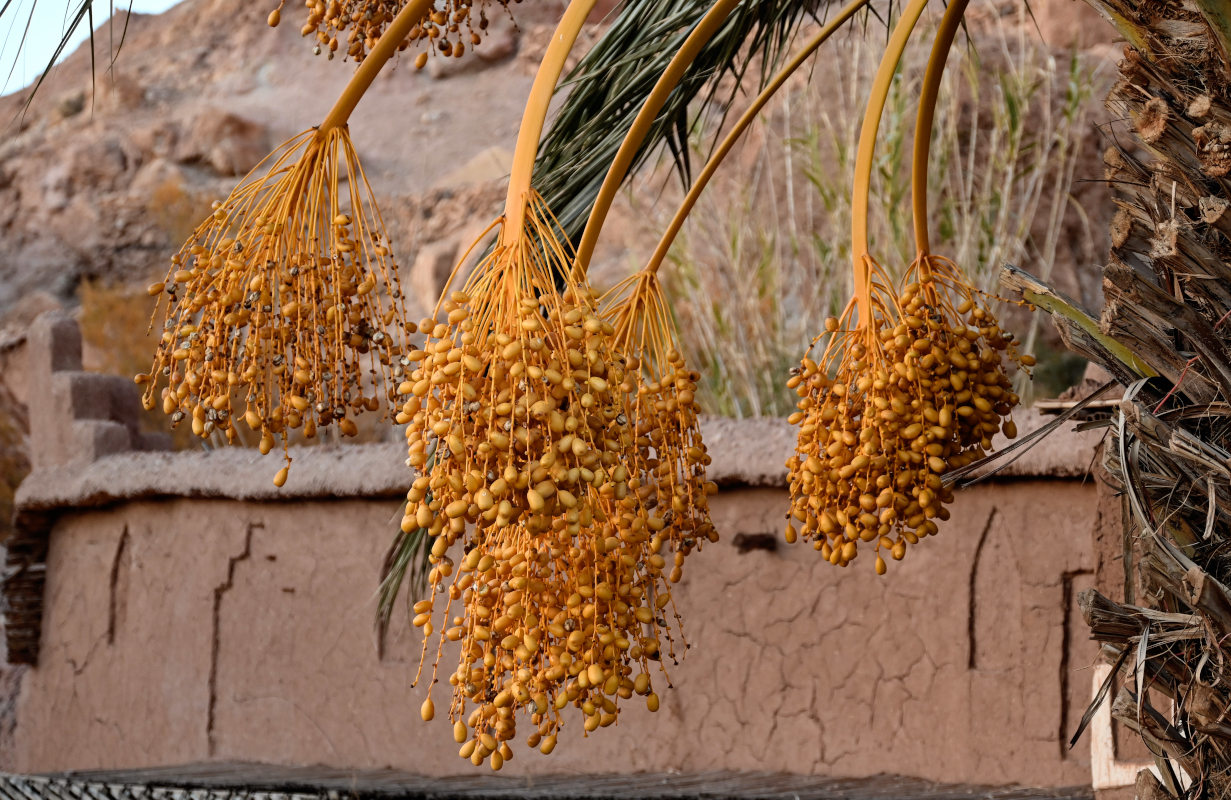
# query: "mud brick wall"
193, 613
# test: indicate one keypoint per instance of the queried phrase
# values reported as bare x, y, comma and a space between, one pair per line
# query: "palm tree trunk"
1167, 289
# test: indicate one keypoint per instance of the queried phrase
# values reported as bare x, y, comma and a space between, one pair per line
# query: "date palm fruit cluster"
890, 407
354, 26
521, 419
669, 444
279, 302
913, 381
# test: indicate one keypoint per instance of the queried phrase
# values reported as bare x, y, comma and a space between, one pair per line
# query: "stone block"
76, 416
230, 144
95, 439
54, 344
88, 395
153, 442
500, 40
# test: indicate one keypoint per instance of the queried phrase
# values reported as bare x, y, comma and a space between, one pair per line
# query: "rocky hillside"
104, 178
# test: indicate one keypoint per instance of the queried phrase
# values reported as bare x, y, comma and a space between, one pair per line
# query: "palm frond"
74, 17
610, 84
405, 563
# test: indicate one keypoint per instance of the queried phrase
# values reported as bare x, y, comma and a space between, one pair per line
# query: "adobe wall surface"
191, 630
193, 613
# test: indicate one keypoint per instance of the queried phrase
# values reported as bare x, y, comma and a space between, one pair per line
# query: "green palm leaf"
75, 14
610, 84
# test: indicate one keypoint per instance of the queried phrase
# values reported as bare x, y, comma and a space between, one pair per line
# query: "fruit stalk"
928, 92
550, 69
388, 44
861, 194
728, 142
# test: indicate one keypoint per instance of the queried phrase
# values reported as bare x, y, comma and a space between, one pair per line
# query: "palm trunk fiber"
1167, 289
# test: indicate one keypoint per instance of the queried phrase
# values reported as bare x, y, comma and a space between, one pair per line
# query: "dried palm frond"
1164, 332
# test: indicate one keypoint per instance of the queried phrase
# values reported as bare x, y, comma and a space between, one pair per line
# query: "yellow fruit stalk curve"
285, 295
912, 381
741, 125
861, 192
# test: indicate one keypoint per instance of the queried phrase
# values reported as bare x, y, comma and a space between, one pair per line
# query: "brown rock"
231, 145
492, 164
157, 172
118, 91
431, 269
441, 67
500, 40
158, 139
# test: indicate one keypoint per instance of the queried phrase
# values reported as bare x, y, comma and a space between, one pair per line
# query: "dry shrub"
115, 322
175, 209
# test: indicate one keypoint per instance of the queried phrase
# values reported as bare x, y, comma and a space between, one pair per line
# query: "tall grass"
766, 256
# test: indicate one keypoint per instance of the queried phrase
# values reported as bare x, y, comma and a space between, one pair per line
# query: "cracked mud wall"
195, 630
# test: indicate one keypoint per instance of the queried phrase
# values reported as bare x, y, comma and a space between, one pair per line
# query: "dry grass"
176, 210
766, 256
114, 320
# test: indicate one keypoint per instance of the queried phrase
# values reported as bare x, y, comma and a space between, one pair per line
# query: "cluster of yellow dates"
273, 316
354, 26
560, 512
917, 393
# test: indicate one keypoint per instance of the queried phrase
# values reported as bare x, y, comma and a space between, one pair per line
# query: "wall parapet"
747, 453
